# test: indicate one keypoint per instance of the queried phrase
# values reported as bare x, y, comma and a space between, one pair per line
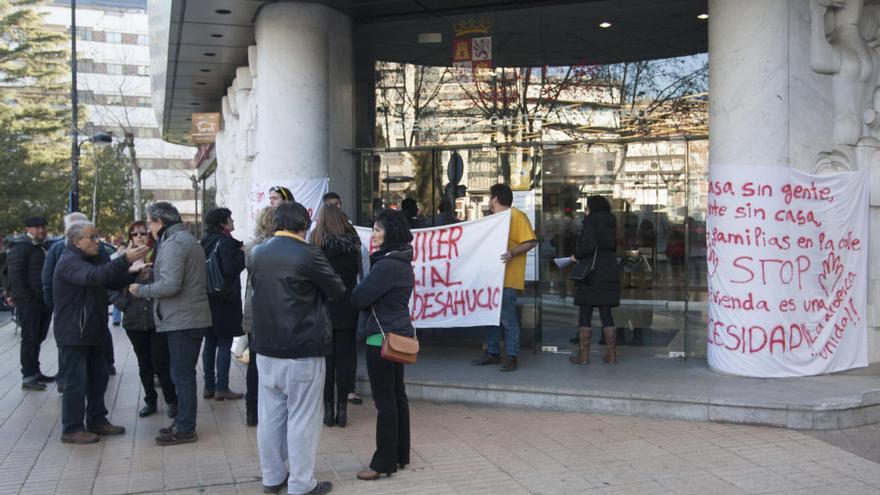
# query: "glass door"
646, 184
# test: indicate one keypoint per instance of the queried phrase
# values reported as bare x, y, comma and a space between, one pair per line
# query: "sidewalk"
457, 449
647, 387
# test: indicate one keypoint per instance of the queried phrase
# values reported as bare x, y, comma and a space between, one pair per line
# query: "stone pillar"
304, 100
778, 88
766, 105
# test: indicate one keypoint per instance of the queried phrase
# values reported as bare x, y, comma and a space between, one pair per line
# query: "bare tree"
115, 108
407, 95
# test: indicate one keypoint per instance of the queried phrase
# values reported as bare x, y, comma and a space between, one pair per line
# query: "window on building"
113, 99
143, 39
144, 101
147, 132
143, 70
112, 37
84, 34
115, 69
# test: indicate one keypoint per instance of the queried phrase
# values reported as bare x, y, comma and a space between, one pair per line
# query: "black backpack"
216, 281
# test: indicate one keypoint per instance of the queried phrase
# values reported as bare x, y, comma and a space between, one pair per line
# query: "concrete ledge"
656, 388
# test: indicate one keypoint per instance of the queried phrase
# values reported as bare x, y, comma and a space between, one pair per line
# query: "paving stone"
457, 448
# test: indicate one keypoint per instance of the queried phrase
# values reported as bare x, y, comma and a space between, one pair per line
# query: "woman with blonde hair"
336, 237
264, 230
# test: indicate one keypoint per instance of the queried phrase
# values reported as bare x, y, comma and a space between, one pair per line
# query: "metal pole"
73, 204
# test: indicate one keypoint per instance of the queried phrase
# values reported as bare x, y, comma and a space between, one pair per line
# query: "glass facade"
634, 132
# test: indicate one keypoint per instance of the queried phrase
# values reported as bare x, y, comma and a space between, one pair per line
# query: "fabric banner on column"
307, 192
459, 273
788, 271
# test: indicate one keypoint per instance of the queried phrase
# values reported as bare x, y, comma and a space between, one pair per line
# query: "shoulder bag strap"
380, 324
593, 266
377, 321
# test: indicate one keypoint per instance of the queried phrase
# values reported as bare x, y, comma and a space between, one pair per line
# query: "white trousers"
289, 412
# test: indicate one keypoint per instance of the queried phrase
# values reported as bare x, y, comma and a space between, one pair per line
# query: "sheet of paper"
563, 262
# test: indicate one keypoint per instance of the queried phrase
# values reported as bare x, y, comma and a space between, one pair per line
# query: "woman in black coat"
598, 241
341, 245
226, 310
383, 298
150, 347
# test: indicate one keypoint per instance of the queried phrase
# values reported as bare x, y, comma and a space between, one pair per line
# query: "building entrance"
657, 190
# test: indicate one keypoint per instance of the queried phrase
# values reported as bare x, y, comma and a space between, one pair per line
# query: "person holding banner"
598, 246
520, 240
383, 298
279, 194
336, 237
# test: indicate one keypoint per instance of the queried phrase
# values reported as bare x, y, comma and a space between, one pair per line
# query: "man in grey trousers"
180, 308
292, 331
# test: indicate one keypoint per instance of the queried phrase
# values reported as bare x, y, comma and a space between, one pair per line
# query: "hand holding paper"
563, 262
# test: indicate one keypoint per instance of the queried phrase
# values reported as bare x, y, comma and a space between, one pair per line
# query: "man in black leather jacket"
292, 332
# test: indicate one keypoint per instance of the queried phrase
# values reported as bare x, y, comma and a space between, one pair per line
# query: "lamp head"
101, 139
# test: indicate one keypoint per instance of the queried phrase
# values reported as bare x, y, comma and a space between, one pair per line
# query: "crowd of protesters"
313, 291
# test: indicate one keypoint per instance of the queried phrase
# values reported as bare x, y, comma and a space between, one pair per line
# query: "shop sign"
205, 127
459, 276
787, 271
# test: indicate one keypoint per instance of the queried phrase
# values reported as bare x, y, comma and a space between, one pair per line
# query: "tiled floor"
457, 449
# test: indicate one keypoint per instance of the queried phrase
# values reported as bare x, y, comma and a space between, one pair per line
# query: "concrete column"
766, 105
304, 102
769, 105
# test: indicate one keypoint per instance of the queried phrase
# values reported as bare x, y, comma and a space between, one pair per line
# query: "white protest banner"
307, 192
459, 273
788, 271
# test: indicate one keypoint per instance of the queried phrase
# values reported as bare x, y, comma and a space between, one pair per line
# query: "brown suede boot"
610, 344
585, 334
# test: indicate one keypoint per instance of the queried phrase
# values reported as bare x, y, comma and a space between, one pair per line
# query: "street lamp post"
100, 140
73, 204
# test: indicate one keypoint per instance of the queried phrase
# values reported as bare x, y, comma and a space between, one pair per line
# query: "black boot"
328, 414
341, 414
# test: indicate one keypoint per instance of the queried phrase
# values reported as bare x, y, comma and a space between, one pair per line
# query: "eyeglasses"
93, 237
137, 234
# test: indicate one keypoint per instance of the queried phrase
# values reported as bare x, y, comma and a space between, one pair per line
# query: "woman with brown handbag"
383, 299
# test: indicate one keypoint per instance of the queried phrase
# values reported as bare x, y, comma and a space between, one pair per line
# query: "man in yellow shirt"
520, 240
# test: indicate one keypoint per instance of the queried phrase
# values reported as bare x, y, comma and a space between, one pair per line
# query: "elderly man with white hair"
79, 288
52, 256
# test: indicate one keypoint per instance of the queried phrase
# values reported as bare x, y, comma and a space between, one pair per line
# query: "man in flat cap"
25, 267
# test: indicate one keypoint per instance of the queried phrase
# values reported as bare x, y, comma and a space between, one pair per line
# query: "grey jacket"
180, 287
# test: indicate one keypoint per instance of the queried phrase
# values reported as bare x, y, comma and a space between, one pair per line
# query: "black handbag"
583, 272
216, 281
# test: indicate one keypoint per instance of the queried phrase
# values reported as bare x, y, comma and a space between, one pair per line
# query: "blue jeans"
183, 349
510, 323
85, 381
217, 350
